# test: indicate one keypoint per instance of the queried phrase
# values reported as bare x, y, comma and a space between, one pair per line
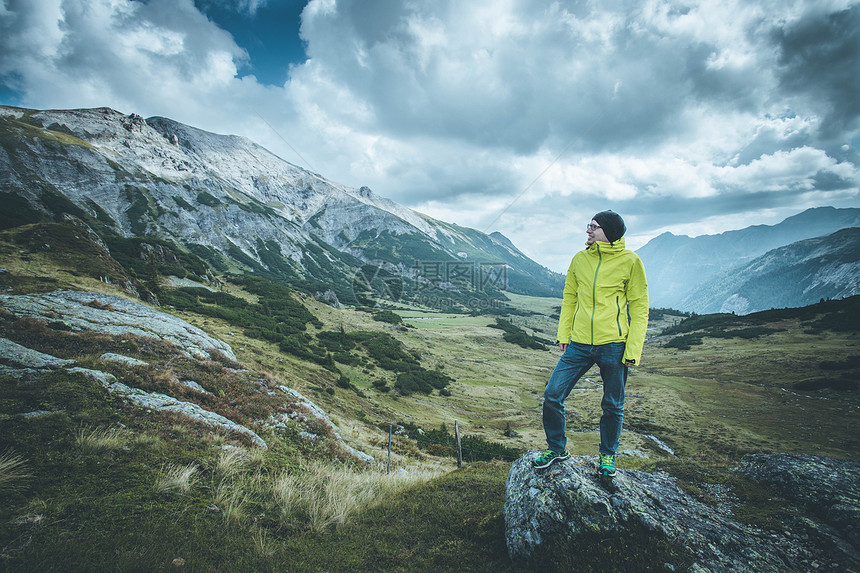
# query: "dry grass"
177, 478
235, 461
149, 440
231, 499
262, 542
13, 471
237, 480
99, 439
328, 496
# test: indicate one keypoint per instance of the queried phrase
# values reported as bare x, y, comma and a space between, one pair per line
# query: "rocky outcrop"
313, 410
568, 499
164, 403
113, 315
108, 314
17, 357
126, 360
21, 362
828, 490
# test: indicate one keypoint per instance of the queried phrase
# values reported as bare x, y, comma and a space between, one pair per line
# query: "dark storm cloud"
818, 60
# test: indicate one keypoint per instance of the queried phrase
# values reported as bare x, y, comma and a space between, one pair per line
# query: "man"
604, 314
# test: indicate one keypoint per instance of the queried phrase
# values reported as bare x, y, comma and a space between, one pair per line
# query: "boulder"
826, 489
108, 314
568, 499
14, 356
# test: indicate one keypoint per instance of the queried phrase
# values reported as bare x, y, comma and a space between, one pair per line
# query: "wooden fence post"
388, 469
459, 449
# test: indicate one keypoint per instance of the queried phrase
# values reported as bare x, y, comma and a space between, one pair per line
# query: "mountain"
795, 275
241, 208
677, 264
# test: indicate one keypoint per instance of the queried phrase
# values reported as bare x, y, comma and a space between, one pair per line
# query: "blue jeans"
575, 362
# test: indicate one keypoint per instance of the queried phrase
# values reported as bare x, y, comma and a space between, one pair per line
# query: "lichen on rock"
568, 499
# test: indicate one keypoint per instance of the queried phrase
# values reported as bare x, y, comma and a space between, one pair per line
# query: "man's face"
595, 233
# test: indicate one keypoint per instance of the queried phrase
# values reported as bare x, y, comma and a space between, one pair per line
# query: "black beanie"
612, 225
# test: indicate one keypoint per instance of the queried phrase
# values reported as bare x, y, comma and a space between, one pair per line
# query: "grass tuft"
235, 461
327, 496
100, 439
231, 463
231, 500
13, 470
177, 478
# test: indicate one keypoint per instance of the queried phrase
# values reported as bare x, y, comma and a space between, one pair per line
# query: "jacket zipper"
594, 292
618, 314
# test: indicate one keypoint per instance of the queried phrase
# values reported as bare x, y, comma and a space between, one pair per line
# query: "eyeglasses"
592, 227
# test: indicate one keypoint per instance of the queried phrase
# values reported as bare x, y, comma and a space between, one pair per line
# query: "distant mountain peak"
500, 238
678, 266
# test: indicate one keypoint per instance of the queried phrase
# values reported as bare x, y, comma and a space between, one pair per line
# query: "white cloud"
785, 170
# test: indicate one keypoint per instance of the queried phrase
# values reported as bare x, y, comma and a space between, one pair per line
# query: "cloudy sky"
525, 117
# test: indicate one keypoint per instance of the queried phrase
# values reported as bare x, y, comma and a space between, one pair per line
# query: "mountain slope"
677, 265
795, 275
234, 203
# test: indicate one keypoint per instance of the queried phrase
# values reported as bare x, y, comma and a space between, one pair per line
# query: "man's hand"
629, 363
562, 346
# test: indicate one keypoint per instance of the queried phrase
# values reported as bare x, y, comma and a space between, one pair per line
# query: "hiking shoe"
548, 458
607, 465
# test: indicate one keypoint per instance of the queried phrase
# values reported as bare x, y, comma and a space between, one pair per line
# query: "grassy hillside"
97, 484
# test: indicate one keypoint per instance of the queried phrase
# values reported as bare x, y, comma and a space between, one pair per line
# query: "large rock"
108, 314
569, 499
15, 356
825, 488
164, 403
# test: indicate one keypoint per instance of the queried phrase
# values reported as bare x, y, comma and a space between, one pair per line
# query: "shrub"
659, 313
387, 351
421, 380
335, 341
207, 199
345, 358
277, 314
745, 333
516, 335
684, 342
381, 385
388, 316
300, 345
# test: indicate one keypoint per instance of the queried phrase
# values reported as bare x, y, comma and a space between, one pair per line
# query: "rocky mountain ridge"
231, 199
678, 265
798, 274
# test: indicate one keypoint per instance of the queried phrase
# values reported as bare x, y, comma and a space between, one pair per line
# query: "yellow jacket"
605, 299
